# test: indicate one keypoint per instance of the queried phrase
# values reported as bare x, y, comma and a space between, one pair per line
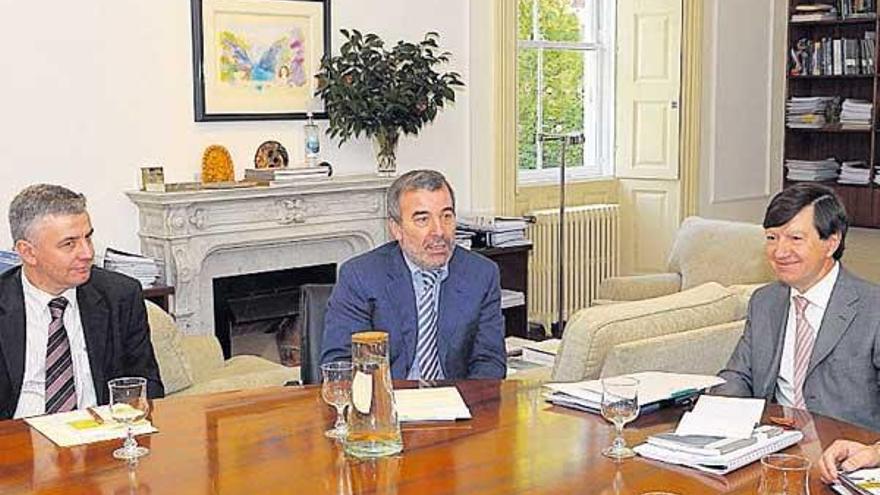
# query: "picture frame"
256, 59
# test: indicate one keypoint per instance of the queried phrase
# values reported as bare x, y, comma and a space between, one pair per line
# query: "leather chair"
313, 305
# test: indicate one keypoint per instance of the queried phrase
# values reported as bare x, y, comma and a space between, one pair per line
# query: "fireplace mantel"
212, 233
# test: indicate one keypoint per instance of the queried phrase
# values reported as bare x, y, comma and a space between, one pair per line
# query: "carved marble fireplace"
213, 233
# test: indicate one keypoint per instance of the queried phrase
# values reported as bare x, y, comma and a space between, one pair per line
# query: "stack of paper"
146, 270
806, 112
80, 427
856, 113
542, 353
813, 12
430, 404
512, 298
655, 388
854, 172
812, 170
497, 231
861, 482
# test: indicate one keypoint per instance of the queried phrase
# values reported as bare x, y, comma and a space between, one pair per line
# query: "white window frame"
599, 133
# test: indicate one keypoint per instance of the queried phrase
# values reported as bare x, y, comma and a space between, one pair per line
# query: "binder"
724, 463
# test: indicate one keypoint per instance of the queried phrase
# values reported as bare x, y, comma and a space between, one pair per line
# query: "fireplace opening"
259, 313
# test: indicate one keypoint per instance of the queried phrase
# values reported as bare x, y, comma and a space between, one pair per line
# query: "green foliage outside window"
562, 97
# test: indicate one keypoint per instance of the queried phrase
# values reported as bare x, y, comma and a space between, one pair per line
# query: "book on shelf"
542, 353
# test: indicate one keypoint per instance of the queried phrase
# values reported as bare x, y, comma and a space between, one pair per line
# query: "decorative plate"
217, 164
271, 154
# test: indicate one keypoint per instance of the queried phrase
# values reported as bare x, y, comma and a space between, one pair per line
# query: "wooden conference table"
271, 441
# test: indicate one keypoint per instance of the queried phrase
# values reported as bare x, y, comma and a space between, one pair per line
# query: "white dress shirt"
32, 400
817, 297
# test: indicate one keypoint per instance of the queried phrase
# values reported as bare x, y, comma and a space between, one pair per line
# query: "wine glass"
620, 405
336, 391
128, 405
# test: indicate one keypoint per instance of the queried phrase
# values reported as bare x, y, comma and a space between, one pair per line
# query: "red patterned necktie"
805, 336
60, 387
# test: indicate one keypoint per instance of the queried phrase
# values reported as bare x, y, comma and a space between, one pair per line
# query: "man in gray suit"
812, 339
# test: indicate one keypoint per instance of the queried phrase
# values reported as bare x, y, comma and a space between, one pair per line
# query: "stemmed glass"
336, 391
128, 405
620, 405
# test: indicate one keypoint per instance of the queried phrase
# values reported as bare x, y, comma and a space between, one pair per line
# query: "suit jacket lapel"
400, 288
778, 321
95, 316
450, 296
12, 328
839, 314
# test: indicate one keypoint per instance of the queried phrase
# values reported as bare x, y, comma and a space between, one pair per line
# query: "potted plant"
380, 93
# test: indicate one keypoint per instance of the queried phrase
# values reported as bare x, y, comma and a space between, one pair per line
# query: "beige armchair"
193, 364
693, 331
704, 250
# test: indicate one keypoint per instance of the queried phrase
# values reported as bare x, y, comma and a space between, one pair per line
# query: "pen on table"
94, 414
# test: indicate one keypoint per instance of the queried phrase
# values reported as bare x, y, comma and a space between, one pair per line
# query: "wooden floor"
862, 255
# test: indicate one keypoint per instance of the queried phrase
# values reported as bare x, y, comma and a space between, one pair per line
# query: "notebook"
862, 482
724, 463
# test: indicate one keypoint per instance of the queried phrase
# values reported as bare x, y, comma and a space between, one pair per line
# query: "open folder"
656, 389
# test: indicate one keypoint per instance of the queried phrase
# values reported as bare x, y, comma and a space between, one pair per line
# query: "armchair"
704, 250
193, 364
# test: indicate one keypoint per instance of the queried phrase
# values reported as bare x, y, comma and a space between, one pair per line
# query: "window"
565, 83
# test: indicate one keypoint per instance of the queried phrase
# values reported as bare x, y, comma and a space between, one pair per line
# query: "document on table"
716, 416
430, 404
81, 427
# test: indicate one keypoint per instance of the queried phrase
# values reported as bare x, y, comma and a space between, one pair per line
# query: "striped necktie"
60, 387
805, 337
426, 349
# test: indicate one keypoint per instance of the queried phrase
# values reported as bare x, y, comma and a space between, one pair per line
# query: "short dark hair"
39, 200
829, 215
429, 180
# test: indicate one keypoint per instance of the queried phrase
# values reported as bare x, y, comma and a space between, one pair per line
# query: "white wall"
742, 107
92, 91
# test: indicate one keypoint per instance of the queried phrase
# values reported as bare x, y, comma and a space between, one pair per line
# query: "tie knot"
429, 279
56, 306
800, 304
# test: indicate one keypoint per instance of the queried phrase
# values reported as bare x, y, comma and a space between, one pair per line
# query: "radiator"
592, 238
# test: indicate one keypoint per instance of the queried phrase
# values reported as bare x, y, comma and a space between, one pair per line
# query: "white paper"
79, 427
729, 417
653, 386
430, 404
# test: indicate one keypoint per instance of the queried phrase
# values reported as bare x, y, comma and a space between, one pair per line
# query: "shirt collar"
42, 297
820, 293
414, 269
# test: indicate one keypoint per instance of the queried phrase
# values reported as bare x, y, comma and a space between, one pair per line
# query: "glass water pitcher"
373, 428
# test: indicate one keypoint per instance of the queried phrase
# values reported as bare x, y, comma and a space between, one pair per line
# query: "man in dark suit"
439, 303
66, 327
812, 339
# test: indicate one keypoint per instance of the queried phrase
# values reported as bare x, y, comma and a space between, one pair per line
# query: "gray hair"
429, 180
40, 200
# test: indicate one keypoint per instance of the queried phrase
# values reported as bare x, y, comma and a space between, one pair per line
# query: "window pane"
562, 104
567, 20
527, 107
524, 18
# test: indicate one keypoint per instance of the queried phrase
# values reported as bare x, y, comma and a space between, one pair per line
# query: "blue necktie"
426, 349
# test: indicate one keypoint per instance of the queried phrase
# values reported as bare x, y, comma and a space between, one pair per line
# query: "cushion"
173, 366
719, 251
593, 331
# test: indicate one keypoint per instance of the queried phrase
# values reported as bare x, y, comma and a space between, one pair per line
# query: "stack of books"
286, 175
855, 172
814, 12
856, 114
806, 112
812, 170
495, 231
148, 271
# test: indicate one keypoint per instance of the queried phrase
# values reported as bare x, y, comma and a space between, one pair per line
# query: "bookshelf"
855, 79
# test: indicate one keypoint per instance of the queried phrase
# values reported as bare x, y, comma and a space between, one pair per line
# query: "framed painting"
256, 59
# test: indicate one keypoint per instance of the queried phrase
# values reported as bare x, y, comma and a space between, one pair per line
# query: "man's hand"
850, 455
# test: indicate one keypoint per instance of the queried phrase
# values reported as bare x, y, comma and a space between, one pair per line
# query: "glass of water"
620, 405
336, 391
128, 405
